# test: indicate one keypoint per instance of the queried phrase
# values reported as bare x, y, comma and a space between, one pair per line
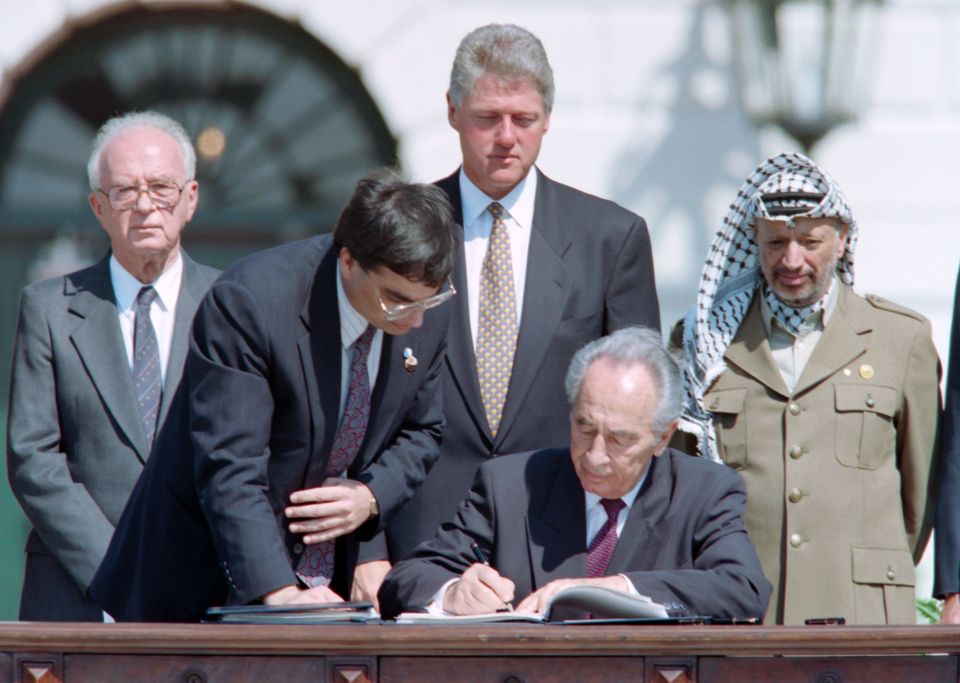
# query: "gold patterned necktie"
497, 333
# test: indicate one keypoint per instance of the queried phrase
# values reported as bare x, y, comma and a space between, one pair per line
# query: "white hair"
150, 119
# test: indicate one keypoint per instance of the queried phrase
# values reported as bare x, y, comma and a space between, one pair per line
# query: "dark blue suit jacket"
947, 524
683, 541
205, 525
589, 273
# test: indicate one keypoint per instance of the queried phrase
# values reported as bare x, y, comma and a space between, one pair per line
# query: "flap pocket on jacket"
863, 398
730, 424
865, 432
883, 566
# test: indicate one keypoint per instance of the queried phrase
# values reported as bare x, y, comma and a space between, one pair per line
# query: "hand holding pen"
481, 589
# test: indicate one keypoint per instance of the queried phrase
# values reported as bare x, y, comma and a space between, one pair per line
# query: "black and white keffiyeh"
731, 273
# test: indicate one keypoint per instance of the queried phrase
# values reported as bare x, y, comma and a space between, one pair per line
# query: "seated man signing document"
618, 509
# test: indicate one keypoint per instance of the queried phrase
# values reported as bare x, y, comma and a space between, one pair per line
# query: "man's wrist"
374, 505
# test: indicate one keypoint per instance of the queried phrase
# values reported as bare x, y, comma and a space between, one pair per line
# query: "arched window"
283, 127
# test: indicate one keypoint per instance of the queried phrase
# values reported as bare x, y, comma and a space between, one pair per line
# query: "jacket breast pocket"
865, 431
730, 424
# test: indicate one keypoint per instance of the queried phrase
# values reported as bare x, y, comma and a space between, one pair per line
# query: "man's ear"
451, 112
665, 438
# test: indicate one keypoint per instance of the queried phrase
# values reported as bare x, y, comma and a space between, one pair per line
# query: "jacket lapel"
556, 533
750, 351
544, 299
461, 360
187, 302
320, 358
99, 344
842, 341
388, 394
640, 539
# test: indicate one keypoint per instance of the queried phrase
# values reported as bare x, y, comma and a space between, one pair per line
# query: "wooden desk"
502, 653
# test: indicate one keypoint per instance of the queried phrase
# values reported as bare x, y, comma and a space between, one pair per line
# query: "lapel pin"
866, 371
846, 372
409, 360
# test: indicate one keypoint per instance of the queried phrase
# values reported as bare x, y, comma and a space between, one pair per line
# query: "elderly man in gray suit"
98, 357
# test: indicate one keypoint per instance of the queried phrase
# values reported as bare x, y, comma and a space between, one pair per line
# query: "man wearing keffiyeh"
827, 402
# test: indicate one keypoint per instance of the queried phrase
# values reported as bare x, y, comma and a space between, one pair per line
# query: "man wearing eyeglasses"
97, 360
314, 398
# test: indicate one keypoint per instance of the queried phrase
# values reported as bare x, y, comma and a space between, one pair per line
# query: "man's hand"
335, 508
537, 601
951, 609
481, 589
293, 595
367, 577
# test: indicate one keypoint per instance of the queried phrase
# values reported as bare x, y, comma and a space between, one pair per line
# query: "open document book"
602, 603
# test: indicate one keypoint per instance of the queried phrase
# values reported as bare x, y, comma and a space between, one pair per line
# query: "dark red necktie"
316, 564
605, 542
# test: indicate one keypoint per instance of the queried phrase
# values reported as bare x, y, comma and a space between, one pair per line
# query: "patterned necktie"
605, 542
497, 334
316, 564
147, 379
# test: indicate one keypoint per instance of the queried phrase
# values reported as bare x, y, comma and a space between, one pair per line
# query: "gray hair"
633, 345
502, 50
134, 119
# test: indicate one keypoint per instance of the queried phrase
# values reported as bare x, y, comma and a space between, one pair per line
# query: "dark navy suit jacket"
683, 540
205, 524
589, 273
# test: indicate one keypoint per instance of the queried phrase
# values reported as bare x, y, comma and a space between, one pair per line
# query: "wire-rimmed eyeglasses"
163, 193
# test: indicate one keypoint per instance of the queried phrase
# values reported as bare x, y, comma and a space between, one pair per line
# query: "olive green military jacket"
838, 473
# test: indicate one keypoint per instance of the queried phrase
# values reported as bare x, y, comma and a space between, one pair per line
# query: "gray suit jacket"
75, 440
683, 541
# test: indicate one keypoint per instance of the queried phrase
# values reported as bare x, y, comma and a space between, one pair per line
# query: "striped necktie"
605, 542
147, 378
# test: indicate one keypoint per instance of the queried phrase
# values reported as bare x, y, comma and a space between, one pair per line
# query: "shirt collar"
352, 324
628, 498
519, 202
126, 286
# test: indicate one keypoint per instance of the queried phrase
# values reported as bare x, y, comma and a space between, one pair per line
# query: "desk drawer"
511, 669
894, 669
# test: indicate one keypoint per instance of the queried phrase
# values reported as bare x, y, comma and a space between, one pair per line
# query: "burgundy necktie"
316, 564
605, 542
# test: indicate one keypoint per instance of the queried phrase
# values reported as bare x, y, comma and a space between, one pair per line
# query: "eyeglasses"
400, 311
163, 193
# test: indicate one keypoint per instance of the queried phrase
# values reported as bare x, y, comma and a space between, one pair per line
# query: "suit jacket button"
794, 409
891, 575
796, 452
796, 495
796, 540
870, 402
297, 548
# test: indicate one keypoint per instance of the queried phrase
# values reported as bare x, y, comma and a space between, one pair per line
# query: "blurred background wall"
290, 101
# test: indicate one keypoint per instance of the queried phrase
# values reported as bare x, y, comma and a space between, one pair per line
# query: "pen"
482, 559
479, 554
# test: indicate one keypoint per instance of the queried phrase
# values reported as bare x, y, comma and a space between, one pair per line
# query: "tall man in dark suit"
544, 269
946, 578
315, 411
98, 357
618, 509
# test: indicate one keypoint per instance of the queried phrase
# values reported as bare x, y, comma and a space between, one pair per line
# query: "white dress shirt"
162, 310
477, 225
